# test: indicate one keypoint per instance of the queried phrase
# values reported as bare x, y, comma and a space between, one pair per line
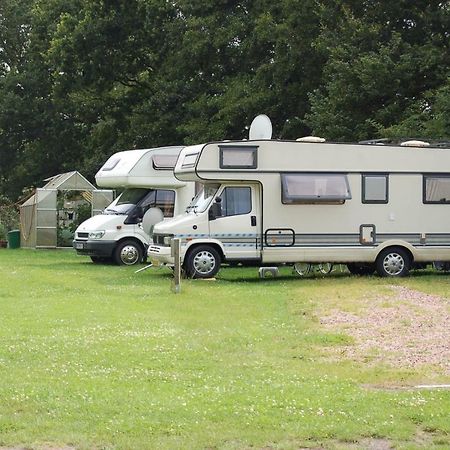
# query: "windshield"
203, 198
126, 201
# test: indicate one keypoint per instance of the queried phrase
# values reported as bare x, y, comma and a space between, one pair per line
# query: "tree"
383, 60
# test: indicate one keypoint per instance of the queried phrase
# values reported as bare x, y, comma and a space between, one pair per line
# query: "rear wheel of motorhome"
393, 262
325, 268
302, 268
361, 268
128, 252
202, 261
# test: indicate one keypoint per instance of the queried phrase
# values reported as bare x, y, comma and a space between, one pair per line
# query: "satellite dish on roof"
261, 128
151, 217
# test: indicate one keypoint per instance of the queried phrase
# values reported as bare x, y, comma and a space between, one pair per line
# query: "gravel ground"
407, 330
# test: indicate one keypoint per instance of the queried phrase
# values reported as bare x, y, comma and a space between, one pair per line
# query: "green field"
96, 356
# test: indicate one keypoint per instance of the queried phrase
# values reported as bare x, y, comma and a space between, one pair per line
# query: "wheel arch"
213, 243
143, 245
397, 244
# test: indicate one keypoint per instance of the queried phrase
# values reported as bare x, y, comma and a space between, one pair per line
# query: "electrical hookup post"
175, 246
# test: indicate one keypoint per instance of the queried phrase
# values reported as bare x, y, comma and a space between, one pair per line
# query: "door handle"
253, 221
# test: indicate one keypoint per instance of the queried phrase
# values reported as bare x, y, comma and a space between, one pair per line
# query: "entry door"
238, 226
46, 218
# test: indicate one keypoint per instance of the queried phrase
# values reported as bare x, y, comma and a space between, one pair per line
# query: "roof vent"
310, 139
415, 143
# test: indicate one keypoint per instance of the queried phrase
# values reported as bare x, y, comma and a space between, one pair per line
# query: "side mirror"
215, 210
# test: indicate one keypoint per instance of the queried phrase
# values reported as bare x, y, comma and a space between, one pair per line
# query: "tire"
100, 259
128, 253
302, 268
393, 262
325, 268
202, 262
361, 268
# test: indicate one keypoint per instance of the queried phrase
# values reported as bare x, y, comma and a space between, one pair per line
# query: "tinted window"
161, 198
436, 189
374, 188
238, 157
314, 188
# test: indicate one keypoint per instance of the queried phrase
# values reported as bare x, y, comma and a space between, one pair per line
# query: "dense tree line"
81, 79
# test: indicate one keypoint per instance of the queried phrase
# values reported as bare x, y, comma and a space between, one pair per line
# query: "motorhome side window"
164, 162
375, 188
111, 163
436, 189
232, 157
236, 201
161, 198
311, 188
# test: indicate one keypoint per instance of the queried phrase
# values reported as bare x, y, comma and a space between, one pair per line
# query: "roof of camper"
207, 161
138, 167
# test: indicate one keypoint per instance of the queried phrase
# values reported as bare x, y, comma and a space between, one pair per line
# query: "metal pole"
176, 251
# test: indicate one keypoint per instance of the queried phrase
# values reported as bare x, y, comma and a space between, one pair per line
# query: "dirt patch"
406, 330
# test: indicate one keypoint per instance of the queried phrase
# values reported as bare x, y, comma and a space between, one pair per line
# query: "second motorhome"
147, 180
372, 207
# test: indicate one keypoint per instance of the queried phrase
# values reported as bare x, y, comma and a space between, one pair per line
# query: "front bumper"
94, 248
160, 255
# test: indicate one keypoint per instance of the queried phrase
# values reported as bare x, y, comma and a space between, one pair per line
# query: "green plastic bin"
14, 239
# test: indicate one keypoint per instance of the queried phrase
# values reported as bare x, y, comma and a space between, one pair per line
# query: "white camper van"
372, 207
148, 181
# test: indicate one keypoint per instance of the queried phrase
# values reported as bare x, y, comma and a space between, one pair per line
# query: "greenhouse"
50, 216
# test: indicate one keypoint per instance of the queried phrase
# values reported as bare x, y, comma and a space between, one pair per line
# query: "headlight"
96, 234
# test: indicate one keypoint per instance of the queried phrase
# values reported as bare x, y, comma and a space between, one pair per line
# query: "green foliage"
385, 72
81, 79
9, 216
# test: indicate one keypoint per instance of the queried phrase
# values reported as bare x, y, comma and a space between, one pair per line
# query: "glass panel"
46, 198
236, 200
201, 201
238, 157
46, 218
437, 189
165, 200
100, 200
126, 201
375, 188
46, 237
189, 160
161, 162
314, 187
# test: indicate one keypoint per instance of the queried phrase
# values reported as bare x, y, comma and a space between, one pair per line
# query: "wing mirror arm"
215, 210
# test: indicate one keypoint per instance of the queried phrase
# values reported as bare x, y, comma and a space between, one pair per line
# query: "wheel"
325, 268
393, 262
302, 268
100, 259
202, 262
128, 253
361, 268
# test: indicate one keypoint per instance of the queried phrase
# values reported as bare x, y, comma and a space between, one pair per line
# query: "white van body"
271, 202
148, 181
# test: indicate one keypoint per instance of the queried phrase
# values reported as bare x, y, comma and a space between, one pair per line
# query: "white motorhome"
148, 181
373, 207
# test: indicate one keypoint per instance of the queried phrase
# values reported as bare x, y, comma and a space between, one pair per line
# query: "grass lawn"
96, 356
